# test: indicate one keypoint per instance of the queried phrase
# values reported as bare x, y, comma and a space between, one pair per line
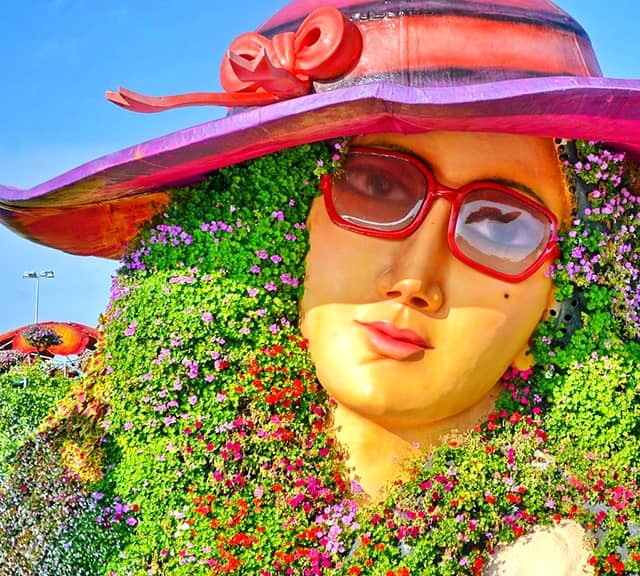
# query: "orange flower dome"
76, 338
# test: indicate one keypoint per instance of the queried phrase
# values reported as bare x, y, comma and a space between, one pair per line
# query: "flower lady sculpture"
447, 429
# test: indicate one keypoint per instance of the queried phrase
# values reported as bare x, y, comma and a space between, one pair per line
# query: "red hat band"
318, 46
453, 42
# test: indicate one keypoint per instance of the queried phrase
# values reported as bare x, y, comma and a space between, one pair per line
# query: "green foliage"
48, 519
27, 394
217, 389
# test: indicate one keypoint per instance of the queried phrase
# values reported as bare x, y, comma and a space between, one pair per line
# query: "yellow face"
401, 331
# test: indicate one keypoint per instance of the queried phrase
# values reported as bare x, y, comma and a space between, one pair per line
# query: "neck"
376, 453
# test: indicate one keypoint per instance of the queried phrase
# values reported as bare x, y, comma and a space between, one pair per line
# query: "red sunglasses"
492, 228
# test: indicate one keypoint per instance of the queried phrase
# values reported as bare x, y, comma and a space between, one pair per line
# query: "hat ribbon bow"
258, 70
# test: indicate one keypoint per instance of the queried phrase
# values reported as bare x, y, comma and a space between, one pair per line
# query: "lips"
393, 342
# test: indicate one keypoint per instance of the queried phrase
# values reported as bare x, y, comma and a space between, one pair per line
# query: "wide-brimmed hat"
321, 69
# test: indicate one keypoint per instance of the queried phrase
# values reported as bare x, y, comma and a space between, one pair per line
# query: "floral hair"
215, 454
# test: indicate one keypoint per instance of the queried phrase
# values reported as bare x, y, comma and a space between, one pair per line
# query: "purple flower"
131, 329
192, 365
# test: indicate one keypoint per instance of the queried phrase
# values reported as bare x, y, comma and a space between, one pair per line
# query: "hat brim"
95, 209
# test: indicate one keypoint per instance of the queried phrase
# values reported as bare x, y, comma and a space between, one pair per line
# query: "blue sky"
58, 56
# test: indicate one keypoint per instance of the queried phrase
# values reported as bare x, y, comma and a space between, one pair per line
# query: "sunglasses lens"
501, 231
378, 192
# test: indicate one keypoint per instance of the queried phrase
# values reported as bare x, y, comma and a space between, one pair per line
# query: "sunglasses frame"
455, 196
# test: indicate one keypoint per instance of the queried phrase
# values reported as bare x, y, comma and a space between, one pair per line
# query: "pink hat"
321, 69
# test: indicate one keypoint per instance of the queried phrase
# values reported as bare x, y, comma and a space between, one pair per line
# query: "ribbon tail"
136, 102
268, 76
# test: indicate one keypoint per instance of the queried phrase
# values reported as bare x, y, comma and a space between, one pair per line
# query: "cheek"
495, 319
524, 306
341, 266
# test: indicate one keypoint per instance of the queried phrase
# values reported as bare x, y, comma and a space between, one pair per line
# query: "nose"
415, 277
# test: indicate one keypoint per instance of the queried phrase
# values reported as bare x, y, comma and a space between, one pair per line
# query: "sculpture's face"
461, 327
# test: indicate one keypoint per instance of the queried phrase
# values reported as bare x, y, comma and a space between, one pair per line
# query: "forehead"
457, 158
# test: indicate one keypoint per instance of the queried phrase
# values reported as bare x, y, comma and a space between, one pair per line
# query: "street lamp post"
37, 276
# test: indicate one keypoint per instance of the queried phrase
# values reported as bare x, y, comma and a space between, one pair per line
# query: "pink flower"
131, 329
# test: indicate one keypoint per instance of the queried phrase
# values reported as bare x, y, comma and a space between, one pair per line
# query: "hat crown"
432, 43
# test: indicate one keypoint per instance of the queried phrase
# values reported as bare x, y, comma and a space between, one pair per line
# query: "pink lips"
393, 342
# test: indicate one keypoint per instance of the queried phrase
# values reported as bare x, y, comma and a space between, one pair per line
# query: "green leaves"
27, 394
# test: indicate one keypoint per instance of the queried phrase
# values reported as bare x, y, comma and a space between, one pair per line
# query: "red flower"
514, 498
478, 564
203, 509
273, 351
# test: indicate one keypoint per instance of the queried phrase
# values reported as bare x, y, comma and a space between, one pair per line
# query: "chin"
379, 400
